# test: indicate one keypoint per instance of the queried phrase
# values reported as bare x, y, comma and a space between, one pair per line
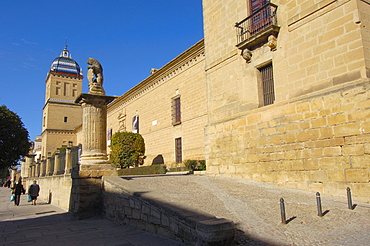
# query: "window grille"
268, 84
176, 111
178, 150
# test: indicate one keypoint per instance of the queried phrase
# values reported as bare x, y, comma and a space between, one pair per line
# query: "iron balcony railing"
257, 22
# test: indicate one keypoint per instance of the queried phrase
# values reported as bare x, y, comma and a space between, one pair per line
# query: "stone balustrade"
60, 163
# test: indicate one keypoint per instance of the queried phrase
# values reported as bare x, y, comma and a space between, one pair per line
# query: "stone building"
281, 95
61, 115
276, 92
288, 98
168, 109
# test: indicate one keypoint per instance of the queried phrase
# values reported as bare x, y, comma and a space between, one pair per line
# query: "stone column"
87, 181
37, 169
29, 171
48, 170
33, 168
42, 167
94, 128
13, 171
56, 162
30, 160
23, 168
68, 166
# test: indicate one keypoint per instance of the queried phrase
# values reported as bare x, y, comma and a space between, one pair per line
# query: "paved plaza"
254, 207
45, 224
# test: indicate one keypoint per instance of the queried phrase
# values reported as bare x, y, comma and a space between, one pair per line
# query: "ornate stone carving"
95, 77
272, 42
247, 55
153, 70
122, 121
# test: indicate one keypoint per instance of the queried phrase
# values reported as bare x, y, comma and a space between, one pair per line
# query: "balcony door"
261, 16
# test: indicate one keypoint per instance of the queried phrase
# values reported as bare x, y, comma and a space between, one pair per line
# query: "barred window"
268, 89
178, 150
176, 111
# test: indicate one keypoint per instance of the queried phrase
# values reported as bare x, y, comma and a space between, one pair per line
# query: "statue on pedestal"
95, 77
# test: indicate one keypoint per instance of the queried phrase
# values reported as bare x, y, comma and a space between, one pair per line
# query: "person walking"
17, 191
33, 191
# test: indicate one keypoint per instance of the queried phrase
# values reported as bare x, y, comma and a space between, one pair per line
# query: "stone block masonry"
150, 212
317, 142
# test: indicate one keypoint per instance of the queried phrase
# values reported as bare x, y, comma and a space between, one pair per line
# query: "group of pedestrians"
18, 190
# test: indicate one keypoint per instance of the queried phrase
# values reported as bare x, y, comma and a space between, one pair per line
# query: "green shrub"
195, 165
127, 149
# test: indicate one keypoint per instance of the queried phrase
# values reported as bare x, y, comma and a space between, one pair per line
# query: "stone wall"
56, 189
151, 101
314, 136
318, 142
149, 212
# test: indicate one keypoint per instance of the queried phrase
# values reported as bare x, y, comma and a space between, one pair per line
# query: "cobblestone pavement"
45, 224
255, 208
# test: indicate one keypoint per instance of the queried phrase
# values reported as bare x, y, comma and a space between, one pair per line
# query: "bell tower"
61, 115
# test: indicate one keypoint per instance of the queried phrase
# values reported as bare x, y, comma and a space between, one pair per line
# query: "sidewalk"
45, 224
255, 208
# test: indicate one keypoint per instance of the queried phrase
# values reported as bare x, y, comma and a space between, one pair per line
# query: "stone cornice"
94, 99
59, 131
177, 65
60, 101
70, 76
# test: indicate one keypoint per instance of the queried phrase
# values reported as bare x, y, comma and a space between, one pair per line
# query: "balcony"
255, 30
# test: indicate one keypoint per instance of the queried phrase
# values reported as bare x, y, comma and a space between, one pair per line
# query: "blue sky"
128, 37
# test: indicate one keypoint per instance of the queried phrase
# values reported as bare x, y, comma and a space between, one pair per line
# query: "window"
66, 89
74, 90
57, 88
178, 150
65, 119
176, 111
268, 89
261, 19
135, 124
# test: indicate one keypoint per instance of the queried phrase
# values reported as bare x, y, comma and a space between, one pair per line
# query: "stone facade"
61, 115
315, 134
152, 101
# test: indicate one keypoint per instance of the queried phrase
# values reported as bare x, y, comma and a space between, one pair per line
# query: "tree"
14, 138
127, 149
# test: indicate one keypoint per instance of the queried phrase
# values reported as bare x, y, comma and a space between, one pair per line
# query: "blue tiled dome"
64, 64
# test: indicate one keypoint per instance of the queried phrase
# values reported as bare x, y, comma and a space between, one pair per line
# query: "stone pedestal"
94, 163
56, 163
29, 161
68, 166
48, 167
43, 168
